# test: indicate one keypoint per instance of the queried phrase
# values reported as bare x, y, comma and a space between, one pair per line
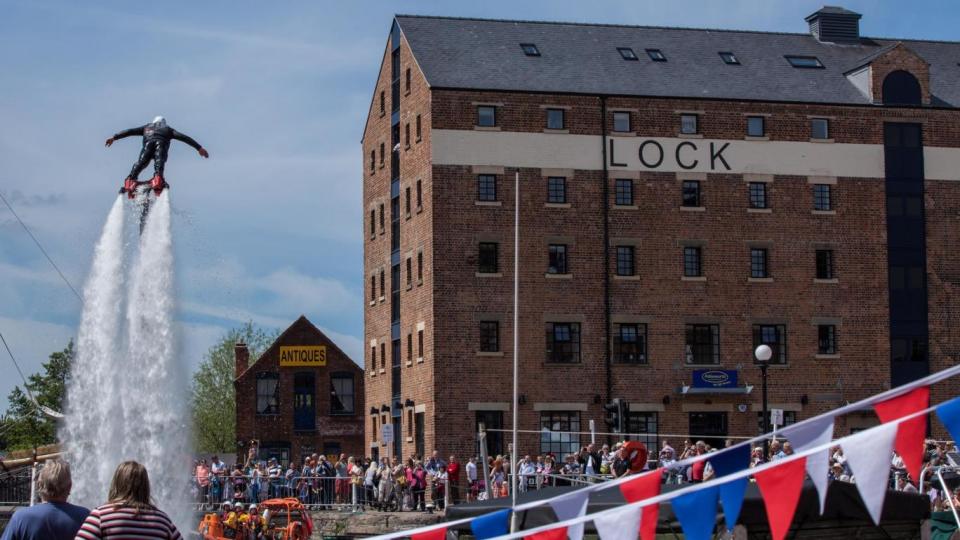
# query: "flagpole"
516, 340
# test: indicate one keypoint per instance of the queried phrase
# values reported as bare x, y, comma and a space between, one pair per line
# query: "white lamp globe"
763, 353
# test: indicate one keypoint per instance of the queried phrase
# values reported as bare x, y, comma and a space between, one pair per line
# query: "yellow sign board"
303, 356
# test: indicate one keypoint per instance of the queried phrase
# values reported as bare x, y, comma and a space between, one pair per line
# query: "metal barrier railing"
16, 486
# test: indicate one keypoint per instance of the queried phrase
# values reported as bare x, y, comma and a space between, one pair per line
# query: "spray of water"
128, 400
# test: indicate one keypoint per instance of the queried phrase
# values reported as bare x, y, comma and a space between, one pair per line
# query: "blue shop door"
304, 402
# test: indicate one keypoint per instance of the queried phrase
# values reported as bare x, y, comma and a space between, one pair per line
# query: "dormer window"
627, 53
530, 49
808, 62
729, 58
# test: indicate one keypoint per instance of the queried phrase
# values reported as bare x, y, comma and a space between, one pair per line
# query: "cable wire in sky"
45, 254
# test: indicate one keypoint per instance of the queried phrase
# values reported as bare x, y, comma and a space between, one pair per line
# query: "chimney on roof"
241, 358
834, 24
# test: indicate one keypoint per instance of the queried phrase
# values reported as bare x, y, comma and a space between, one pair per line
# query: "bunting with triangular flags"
621, 524
868, 454
571, 506
910, 434
949, 414
440, 533
697, 513
560, 533
642, 487
809, 435
731, 493
491, 525
780, 488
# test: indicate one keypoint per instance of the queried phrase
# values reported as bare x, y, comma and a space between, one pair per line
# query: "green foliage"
213, 402
24, 426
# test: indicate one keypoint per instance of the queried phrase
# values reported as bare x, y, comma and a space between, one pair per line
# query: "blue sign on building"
714, 378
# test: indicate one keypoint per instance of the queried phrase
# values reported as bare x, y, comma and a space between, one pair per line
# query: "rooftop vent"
835, 24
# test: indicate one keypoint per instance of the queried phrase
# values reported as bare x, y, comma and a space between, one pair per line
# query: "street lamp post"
763, 353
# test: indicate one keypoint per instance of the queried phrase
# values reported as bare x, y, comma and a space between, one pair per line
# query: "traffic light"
616, 414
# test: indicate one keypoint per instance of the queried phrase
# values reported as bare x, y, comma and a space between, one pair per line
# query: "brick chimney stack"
241, 357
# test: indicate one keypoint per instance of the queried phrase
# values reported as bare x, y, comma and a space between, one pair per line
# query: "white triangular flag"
569, 507
868, 454
620, 524
808, 435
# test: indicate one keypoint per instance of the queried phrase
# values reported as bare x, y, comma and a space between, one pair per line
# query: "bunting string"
865, 403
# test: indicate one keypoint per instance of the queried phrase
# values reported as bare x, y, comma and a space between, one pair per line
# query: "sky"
270, 227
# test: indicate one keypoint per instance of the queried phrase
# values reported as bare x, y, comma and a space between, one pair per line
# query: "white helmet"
160, 121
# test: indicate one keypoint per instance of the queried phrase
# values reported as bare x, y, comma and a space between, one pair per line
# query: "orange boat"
286, 519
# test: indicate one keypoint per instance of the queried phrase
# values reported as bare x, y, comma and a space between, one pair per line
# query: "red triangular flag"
910, 433
440, 533
560, 533
643, 487
780, 489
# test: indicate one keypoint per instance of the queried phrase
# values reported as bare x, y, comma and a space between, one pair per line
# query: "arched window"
901, 88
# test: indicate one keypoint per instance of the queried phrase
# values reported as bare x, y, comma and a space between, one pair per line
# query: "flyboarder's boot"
129, 187
157, 184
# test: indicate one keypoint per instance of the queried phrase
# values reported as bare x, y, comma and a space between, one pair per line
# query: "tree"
213, 401
24, 426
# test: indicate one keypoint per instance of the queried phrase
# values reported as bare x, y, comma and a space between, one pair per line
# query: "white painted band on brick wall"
676, 155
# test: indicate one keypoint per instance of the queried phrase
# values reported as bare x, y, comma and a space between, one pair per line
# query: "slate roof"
582, 58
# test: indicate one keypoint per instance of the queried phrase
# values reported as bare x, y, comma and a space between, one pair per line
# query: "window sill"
419, 139
693, 278
556, 205
488, 275
625, 207
409, 363
690, 135
831, 280
419, 209
824, 212
622, 134
486, 128
754, 138
406, 146
420, 360
409, 286
822, 140
383, 298
557, 131
618, 277
759, 280
759, 210
382, 232
408, 215
373, 302
490, 353
419, 282
382, 370
409, 439
549, 275
644, 364
488, 203
407, 93
693, 208
827, 356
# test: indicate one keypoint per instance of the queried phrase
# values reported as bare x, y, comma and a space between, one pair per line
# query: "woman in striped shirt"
128, 512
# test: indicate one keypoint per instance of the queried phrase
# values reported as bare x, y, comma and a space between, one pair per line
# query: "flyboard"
143, 188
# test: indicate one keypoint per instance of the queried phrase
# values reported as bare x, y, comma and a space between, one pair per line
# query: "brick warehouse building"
303, 395
686, 194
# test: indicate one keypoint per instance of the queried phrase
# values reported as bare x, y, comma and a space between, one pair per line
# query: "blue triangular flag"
727, 462
697, 513
491, 525
949, 414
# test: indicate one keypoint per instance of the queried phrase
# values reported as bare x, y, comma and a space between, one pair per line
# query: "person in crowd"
342, 480
528, 471
432, 466
417, 479
904, 484
274, 477
589, 461
55, 518
129, 511
756, 456
304, 483
698, 468
385, 485
621, 465
774, 451
688, 450
667, 456
440, 480
606, 459
203, 479
231, 519
453, 474
497, 477
256, 482
404, 497
327, 474
472, 483
252, 524
355, 484
370, 482
239, 483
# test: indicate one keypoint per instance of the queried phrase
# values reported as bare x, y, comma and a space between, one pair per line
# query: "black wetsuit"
156, 142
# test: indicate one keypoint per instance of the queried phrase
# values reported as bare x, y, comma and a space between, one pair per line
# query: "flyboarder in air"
156, 141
